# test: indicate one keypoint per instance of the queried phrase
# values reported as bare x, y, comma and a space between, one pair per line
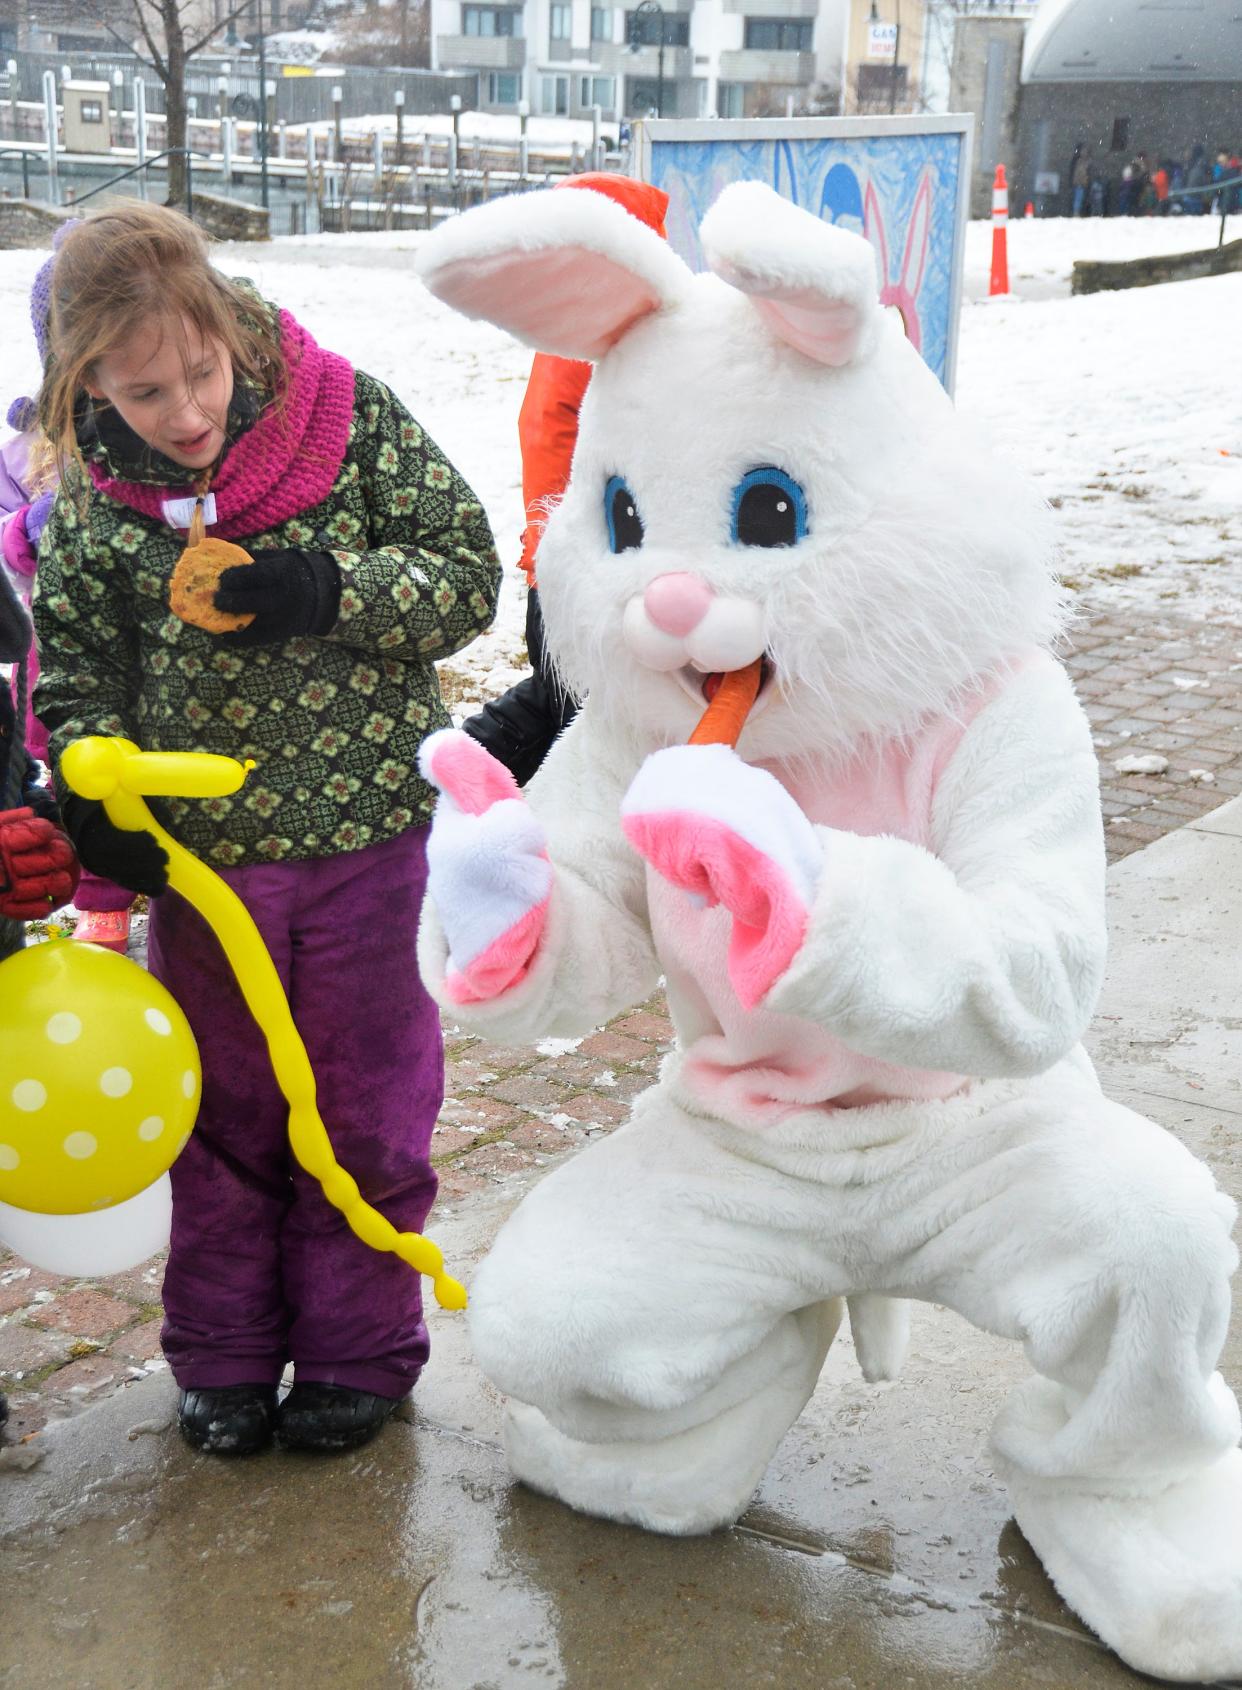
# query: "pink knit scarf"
287, 463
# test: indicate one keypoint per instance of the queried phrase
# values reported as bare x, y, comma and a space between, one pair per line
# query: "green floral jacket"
333, 724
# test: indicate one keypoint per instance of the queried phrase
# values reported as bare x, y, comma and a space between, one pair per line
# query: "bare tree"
941, 29
378, 34
163, 28
821, 99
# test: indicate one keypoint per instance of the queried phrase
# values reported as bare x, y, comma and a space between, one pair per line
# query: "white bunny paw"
488, 876
729, 833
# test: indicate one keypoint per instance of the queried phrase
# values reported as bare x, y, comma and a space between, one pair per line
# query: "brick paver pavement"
1153, 686
1170, 689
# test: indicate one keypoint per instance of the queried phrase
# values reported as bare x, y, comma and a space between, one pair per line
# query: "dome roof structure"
1134, 41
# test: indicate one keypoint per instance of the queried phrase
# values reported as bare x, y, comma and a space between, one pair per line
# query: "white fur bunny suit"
880, 921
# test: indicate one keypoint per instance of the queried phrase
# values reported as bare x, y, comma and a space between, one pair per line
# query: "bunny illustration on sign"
880, 920
904, 292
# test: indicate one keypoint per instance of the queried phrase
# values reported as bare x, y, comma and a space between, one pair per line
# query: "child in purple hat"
27, 489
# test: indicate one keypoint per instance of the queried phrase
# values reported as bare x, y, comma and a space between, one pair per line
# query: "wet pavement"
878, 1553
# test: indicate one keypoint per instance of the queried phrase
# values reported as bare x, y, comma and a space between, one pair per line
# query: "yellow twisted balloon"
118, 773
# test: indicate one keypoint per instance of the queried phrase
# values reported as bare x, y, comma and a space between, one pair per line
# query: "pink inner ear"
566, 299
827, 330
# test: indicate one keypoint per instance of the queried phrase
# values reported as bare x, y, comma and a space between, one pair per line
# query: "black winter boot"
228, 1419
330, 1417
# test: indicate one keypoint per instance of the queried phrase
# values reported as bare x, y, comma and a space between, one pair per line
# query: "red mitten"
38, 870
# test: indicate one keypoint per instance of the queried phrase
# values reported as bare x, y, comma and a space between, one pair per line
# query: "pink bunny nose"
677, 603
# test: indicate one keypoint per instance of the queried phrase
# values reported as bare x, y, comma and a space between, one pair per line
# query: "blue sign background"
901, 191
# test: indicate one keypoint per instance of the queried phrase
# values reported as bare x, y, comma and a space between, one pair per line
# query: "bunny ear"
814, 285
567, 273
914, 259
873, 229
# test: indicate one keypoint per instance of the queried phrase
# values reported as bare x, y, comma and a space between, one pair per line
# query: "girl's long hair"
122, 269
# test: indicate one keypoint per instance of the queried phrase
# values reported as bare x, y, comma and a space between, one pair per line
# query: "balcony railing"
481, 52
762, 64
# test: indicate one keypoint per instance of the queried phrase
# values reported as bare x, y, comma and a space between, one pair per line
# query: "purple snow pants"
262, 1270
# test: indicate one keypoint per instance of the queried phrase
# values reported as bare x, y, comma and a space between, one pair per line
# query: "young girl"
372, 558
27, 481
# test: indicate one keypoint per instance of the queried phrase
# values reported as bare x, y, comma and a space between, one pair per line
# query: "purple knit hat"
24, 413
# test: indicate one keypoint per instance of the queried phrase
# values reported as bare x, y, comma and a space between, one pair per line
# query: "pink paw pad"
709, 860
504, 964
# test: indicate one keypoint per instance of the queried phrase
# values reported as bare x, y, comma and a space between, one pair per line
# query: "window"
730, 99
876, 90
780, 35
491, 20
596, 91
554, 96
643, 94
503, 89
601, 23
560, 22
1121, 134
642, 29
91, 111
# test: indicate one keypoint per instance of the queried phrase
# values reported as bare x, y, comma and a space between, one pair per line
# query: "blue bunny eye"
769, 509
625, 526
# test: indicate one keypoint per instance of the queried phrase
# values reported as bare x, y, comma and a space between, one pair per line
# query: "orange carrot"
723, 720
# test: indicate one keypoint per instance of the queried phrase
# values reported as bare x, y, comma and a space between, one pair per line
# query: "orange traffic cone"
1030, 209
1000, 235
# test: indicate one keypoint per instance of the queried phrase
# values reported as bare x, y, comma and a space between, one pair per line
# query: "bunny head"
764, 468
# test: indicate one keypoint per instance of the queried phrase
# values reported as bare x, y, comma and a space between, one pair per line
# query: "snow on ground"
547, 134
1123, 405
301, 46
1042, 250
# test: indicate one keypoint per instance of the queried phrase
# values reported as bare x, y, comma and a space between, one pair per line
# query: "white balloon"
91, 1245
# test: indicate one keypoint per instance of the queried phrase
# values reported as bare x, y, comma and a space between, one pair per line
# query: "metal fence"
299, 99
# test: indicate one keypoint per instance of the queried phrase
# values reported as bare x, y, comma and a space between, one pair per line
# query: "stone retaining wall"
1091, 277
230, 220
25, 224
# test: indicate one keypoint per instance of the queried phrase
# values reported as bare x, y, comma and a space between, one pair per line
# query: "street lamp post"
263, 186
892, 75
652, 9
118, 96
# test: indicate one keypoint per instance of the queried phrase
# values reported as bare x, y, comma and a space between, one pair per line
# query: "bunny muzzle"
680, 625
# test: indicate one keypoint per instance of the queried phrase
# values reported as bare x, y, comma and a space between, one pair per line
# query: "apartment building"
680, 58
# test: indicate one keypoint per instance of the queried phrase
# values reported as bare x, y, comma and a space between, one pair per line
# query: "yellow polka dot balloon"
99, 1079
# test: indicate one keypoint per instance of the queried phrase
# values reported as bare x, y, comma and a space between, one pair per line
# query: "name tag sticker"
178, 513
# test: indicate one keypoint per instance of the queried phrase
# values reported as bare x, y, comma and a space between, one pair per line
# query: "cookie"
192, 595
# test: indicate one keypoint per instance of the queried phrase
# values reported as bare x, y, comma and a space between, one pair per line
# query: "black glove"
134, 860
518, 728
287, 593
